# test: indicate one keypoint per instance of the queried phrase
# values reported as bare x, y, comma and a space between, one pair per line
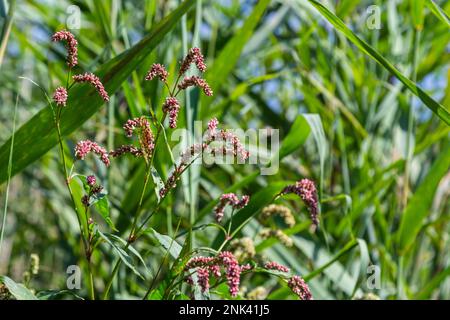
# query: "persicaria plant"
196, 272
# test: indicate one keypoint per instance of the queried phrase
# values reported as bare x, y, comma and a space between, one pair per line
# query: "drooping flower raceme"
232, 200
300, 288
145, 135
276, 266
307, 191
198, 82
157, 70
211, 265
194, 56
93, 80
84, 147
71, 44
229, 143
172, 106
60, 96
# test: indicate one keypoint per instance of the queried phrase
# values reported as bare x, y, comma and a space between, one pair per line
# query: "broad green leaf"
433, 105
296, 137
420, 203
123, 255
83, 101
18, 290
157, 181
102, 207
168, 243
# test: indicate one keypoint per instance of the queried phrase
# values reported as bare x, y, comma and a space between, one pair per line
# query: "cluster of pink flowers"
172, 106
86, 146
146, 139
71, 44
124, 149
230, 142
157, 70
91, 180
94, 189
232, 200
307, 191
300, 288
211, 265
276, 266
194, 56
172, 180
198, 82
60, 96
93, 80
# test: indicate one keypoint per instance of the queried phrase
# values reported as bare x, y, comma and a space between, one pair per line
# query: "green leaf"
438, 12
433, 105
420, 203
168, 243
102, 207
113, 73
56, 294
18, 290
157, 181
123, 255
296, 137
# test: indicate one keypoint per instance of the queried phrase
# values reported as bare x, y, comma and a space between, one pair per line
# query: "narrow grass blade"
433, 105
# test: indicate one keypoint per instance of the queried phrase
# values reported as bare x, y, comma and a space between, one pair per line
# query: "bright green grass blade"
83, 101
433, 105
420, 203
438, 12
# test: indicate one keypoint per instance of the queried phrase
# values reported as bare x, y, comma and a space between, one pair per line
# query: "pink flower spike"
157, 70
232, 271
172, 106
232, 200
203, 278
276, 266
300, 288
86, 146
91, 180
126, 149
196, 81
194, 55
72, 50
307, 191
95, 81
60, 96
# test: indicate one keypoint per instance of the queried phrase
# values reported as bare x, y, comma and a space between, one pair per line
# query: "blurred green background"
379, 155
